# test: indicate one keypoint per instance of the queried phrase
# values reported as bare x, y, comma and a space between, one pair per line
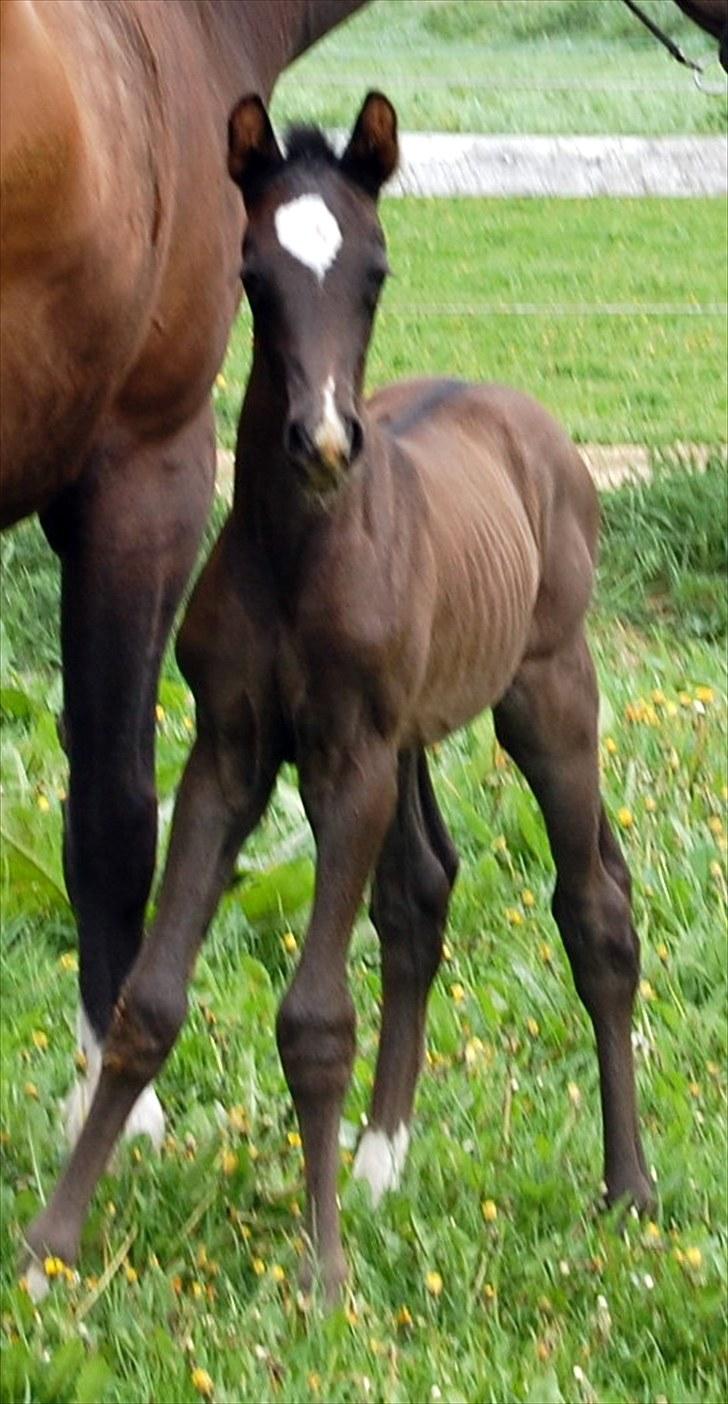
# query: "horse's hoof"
47, 1243
332, 1276
637, 1193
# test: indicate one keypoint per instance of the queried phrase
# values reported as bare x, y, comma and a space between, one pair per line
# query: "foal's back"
512, 518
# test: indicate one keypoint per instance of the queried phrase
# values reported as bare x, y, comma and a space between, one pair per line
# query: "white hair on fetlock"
146, 1117
380, 1159
308, 231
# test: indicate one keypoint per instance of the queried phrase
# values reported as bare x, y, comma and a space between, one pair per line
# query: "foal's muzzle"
324, 452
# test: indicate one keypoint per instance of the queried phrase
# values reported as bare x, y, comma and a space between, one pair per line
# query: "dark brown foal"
388, 570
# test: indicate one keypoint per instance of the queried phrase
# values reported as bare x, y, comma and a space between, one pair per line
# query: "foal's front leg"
209, 825
349, 798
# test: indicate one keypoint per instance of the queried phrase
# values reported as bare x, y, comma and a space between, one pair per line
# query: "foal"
389, 569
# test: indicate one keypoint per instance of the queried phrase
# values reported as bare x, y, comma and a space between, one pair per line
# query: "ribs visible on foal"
389, 569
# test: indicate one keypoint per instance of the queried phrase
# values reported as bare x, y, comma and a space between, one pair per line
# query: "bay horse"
389, 569
120, 238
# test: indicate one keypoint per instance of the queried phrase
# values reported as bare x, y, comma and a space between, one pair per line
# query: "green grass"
520, 1307
634, 378
523, 1301
568, 66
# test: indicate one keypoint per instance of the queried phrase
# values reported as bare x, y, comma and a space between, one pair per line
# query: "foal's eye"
373, 285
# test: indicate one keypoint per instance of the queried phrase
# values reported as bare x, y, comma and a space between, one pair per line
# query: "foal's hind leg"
548, 722
410, 897
127, 535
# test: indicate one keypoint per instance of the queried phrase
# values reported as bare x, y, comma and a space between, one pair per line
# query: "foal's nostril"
299, 443
355, 435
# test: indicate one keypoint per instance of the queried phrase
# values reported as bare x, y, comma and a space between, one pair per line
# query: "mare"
389, 569
120, 241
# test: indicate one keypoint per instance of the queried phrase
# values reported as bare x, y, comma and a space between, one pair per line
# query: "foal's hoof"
637, 1192
331, 1274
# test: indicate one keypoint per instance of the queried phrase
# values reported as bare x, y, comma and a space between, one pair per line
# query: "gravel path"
444, 164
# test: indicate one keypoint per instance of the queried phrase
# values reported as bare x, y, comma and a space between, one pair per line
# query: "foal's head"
314, 261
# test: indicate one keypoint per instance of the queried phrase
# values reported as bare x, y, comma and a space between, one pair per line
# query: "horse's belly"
483, 612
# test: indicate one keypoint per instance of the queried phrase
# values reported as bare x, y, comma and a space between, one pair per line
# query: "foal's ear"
253, 152
373, 152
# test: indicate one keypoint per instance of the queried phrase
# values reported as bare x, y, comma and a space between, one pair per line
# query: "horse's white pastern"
380, 1159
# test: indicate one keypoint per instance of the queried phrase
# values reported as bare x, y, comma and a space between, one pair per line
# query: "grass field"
641, 376
568, 66
489, 1276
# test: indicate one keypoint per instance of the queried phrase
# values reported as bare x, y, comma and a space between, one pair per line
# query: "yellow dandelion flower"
647, 990
289, 942
684, 699
40, 1039
160, 713
188, 723
693, 1258
490, 1292
513, 916
716, 870
253, 1151
715, 824
314, 1382
446, 951
53, 1267
658, 697
574, 1094
238, 1118
527, 898
295, 1209
43, 803
652, 1232
229, 1162
91, 1282
458, 993
294, 1139
176, 1284
278, 1273
490, 1210
694, 1089
625, 817
130, 1273
650, 804
545, 952
197, 1290
610, 745
351, 1315
111, 1209
433, 1283
663, 953
258, 1266
220, 381
404, 1316
30, 1090
533, 1027
500, 844
705, 694
202, 1382
68, 961
473, 1050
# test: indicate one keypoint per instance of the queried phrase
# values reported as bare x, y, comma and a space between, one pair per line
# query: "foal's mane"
306, 145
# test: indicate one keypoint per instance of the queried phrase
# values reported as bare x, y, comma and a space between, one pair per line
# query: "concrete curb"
458, 165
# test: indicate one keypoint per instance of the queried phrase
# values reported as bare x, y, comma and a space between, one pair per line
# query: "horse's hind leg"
548, 722
410, 897
127, 536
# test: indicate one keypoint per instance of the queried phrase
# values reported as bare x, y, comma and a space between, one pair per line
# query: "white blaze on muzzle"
331, 438
308, 231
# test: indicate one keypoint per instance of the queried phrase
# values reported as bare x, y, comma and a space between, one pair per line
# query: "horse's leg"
223, 794
127, 536
547, 721
410, 898
349, 799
